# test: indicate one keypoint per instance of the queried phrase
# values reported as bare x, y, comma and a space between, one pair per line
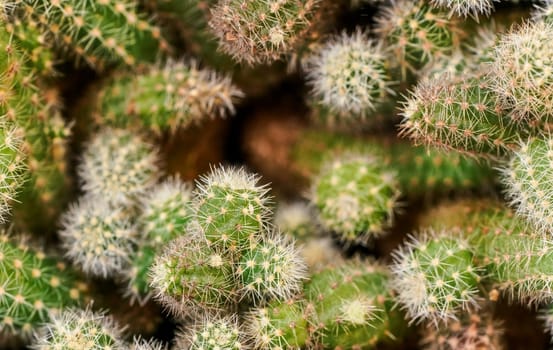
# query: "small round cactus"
527, 180
212, 333
295, 219
190, 278
232, 208
435, 277
271, 269
261, 31
348, 76
97, 237
355, 197
117, 166
522, 72
80, 329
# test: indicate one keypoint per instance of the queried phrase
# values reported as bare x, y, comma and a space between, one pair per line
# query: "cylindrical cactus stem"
166, 212
417, 33
97, 237
280, 325
166, 97
118, 166
80, 329
435, 277
522, 73
473, 330
212, 333
348, 77
271, 269
189, 279
527, 181
34, 286
353, 306
459, 114
13, 166
261, 31
465, 8
355, 196
232, 208
99, 33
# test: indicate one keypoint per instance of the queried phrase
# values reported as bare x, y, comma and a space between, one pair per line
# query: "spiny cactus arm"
261, 31
527, 179
118, 166
466, 8
435, 277
355, 196
232, 208
143, 344
97, 237
166, 212
166, 96
188, 277
280, 325
271, 269
459, 114
353, 306
80, 329
212, 333
348, 76
34, 286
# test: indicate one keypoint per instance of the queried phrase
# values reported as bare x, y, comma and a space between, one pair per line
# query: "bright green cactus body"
353, 304
271, 268
417, 33
435, 277
100, 33
189, 277
349, 78
356, 196
166, 212
166, 97
459, 114
80, 329
527, 179
33, 286
420, 172
232, 208
212, 334
261, 31
280, 325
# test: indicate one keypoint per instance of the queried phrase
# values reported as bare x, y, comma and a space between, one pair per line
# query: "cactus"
417, 33
435, 277
295, 219
348, 76
280, 325
13, 166
527, 185
353, 304
232, 208
271, 269
462, 115
169, 96
261, 31
466, 7
211, 334
34, 286
97, 237
521, 73
100, 34
166, 212
80, 329
118, 166
190, 278
355, 197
